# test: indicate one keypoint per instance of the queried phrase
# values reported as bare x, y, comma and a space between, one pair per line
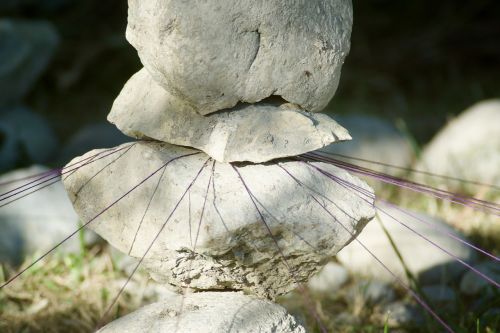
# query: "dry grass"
68, 294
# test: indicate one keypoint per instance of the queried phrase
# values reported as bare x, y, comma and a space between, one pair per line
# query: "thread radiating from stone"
226, 81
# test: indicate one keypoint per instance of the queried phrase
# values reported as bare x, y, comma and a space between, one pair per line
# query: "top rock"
215, 54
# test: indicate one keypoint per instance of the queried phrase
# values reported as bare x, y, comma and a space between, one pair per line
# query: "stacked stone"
226, 86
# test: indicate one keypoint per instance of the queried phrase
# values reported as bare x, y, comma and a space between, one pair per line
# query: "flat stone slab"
256, 133
231, 229
217, 53
208, 312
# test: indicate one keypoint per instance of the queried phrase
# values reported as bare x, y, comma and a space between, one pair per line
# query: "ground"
71, 293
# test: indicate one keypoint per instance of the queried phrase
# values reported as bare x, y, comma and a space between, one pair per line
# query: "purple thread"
439, 229
466, 181
156, 237
49, 179
383, 176
465, 201
477, 272
45, 173
88, 222
405, 286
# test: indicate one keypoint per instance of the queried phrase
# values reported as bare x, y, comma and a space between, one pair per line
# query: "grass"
484, 232
68, 293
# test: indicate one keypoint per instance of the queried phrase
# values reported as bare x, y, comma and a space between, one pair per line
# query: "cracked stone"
256, 133
249, 227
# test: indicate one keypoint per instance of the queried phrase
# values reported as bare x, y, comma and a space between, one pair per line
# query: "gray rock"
375, 292
424, 260
94, 136
329, 279
468, 147
217, 53
256, 133
401, 314
37, 222
208, 312
374, 139
234, 248
24, 137
440, 295
26, 48
473, 284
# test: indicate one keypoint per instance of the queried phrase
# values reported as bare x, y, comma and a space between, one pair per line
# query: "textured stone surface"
208, 312
37, 222
25, 137
374, 139
430, 264
216, 53
231, 248
468, 147
256, 133
25, 50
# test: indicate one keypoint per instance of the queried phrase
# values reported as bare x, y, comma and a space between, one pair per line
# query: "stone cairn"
212, 201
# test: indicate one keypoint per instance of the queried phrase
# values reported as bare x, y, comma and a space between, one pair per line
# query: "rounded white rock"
215, 54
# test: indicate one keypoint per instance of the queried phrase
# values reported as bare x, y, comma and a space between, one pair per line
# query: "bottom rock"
208, 312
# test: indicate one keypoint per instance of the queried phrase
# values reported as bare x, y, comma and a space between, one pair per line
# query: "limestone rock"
424, 260
469, 146
208, 312
25, 49
37, 222
217, 53
256, 133
228, 246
